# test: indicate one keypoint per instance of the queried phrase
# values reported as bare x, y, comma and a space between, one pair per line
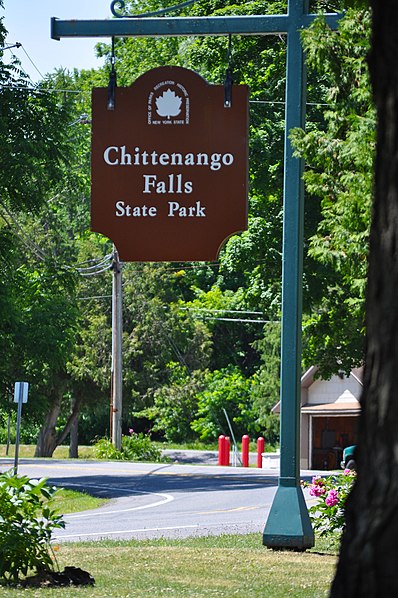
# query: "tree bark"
48, 439
74, 439
369, 551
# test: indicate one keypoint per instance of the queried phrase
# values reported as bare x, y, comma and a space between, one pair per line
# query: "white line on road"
165, 499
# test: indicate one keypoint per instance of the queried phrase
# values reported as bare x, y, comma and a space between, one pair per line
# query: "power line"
224, 311
238, 320
43, 91
31, 61
95, 297
96, 272
105, 259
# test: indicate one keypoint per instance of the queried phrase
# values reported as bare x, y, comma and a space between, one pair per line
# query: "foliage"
175, 404
266, 390
135, 447
225, 389
339, 154
327, 514
27, 521
175, 313
28, 432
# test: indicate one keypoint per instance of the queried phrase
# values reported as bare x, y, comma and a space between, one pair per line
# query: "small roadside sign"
21, 389
20, 396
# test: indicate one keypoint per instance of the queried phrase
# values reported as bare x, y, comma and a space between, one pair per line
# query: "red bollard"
245, 450
227, 448
260, 450
221, 449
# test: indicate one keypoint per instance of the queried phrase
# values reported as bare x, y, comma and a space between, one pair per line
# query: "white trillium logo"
168, 104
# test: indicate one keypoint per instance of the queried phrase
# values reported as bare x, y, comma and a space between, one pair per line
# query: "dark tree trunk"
48, 439
368, 564
74, 433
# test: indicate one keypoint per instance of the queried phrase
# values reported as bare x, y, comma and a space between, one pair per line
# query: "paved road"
159, 500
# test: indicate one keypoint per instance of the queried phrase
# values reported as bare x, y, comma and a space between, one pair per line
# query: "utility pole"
117, 330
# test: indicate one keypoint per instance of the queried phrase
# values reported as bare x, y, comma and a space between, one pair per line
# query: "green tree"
267, 382
225, 389
339, 171
176, 404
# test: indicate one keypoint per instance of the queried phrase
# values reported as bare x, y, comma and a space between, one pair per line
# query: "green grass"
70, 501
224, 566
61, 452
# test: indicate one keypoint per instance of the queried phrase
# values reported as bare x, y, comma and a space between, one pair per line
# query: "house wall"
323, 392
328, 391
305, 442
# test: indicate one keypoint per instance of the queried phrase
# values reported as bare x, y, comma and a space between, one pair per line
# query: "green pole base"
288, 525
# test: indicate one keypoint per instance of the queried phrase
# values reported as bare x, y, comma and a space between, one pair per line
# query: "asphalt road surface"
158, 500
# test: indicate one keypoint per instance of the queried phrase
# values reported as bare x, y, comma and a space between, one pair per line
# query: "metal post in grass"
20, 396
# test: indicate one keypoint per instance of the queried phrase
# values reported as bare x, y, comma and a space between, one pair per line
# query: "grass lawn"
61, 452
214, 566
69, 501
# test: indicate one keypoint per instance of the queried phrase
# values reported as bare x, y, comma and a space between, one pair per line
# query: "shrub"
29, 430
327, 515
27, 521
135, 447
104, 449
139, 447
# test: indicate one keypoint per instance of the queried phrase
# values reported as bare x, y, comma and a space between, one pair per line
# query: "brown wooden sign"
169, 166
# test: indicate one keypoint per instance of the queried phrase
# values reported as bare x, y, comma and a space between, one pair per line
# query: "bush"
104, 449
27, 521
29, 428
135, 447
327, 515
139, 447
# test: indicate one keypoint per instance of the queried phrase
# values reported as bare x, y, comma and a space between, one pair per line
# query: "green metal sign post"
288, 524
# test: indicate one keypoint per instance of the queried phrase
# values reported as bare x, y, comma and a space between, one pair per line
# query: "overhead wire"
107, 258
96, 272
95, 297
224, 311
31, 61
246, 320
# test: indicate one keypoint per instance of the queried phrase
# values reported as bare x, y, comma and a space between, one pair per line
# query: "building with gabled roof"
329, 417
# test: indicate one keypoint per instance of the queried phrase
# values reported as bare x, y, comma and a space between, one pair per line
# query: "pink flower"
347, 471
318, 480
332, 498
131, 431
317, 488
